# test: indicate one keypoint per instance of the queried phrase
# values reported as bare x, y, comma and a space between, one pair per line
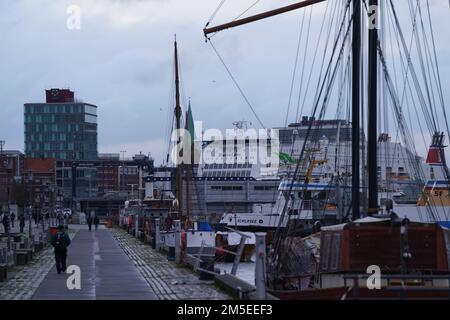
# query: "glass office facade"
66, 131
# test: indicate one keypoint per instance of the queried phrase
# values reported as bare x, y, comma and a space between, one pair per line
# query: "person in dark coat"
89, 222
5, 222
13, 218
96, 222
21, 223
60, 241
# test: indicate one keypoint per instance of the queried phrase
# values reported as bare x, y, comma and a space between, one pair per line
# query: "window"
90, 109
90, 119
264, 188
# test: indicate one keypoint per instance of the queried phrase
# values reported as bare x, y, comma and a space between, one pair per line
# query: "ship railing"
237, 254
198, 260
403, 286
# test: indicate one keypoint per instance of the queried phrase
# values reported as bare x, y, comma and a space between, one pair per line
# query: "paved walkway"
106, 272
23, 281
168, 281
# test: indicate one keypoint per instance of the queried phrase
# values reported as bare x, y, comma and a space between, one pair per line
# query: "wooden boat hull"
363, 294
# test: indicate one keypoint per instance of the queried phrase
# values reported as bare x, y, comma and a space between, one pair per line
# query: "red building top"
59, 96
40, 165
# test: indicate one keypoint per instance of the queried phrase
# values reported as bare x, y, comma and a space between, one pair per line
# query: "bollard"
177, 225
260, 266
157, 235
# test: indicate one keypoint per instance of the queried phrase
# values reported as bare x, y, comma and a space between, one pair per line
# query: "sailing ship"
411, 256
197, 238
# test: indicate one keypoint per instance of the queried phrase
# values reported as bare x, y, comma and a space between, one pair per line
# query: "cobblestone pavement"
23, 281
168, 281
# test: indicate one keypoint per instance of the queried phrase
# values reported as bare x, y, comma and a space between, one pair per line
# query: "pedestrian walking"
13, 217
96, 222
89, 222
5, 222
21, 223
59, 218
60, 241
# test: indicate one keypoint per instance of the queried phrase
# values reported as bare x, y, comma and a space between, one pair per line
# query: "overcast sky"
122, 60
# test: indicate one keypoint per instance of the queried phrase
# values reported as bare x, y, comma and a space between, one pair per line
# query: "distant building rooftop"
11, 153
109, 156
306, 121
41, 165
59, 95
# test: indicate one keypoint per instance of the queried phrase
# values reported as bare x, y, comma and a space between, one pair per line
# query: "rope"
215, 12
248, 9
295, 69
237, 84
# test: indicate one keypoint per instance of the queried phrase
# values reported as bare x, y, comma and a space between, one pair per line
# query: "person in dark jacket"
21, 223
13, 218
5, 222
60, 241
89, 222
96, 222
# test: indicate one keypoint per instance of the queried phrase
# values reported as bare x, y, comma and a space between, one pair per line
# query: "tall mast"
356, 108
178, 121
372, 114
188, 177
356, 93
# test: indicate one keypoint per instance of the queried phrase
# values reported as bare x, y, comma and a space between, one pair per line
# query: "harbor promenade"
114, 266
106, 272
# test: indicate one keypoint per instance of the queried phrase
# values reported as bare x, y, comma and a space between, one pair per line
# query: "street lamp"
30, 209
51, 209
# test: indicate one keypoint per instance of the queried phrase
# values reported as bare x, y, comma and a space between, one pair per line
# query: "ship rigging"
371, 85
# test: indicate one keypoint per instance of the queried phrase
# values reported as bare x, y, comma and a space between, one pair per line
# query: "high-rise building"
62, 128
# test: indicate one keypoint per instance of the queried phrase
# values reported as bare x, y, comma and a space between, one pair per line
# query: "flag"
286, 158
190, 124
190, 145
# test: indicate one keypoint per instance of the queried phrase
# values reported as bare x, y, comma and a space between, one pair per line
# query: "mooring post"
177, 235
157, 235
260, 266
